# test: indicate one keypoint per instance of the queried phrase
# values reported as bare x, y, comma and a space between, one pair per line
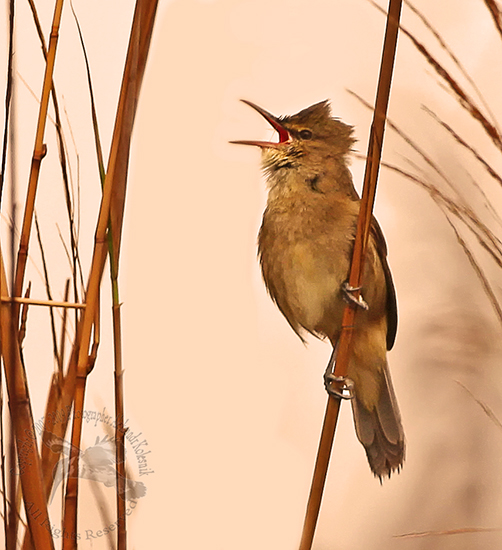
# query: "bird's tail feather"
380, 430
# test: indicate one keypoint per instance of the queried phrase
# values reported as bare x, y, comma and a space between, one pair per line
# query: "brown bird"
305, 247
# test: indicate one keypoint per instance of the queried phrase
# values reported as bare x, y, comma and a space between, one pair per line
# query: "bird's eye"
306, 134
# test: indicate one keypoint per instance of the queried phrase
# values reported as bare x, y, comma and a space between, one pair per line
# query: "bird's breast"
304, 262
315, 284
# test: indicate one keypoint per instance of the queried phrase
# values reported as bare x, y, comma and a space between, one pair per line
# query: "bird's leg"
340, 387
348, 296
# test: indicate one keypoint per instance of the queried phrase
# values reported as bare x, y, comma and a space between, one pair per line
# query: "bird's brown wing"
377, 234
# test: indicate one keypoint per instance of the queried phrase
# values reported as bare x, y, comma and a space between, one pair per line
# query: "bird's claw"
339, 387
348, 296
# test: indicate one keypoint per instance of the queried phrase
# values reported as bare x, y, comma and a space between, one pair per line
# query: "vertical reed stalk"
356, 271
111, 210
38, 154
30, 471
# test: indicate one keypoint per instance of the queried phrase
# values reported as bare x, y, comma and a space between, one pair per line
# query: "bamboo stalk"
38, 154
30, 472
57, 415
115, 185
356, 271
71, 495
74, 259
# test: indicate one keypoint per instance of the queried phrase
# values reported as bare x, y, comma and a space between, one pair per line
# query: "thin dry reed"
343, 349
37, 467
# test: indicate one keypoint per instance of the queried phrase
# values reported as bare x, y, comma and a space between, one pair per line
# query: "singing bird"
305, 246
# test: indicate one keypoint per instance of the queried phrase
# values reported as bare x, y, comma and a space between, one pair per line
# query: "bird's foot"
348, 296
340, 387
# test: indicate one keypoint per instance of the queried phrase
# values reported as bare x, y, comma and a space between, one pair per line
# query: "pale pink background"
229, 399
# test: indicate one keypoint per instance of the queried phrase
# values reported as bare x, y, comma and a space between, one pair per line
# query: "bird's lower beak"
284, 135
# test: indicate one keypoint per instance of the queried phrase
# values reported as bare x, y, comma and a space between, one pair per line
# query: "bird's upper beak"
284, 135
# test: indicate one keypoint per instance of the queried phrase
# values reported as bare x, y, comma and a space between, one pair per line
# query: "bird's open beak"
274, 121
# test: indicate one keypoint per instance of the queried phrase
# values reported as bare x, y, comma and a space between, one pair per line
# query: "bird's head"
310, 137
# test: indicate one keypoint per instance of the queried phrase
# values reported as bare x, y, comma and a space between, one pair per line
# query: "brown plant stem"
8, 101
10, 482
48, 303
30, 472
120, 432
57, 415
356, 271
111, 209
38, 154
75, 259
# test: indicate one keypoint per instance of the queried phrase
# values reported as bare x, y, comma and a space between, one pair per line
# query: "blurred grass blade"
486, 409
455, 60
464, 100
461, 531
479, 272
496, 14
458, 206
447, 204
491, 171
95, 126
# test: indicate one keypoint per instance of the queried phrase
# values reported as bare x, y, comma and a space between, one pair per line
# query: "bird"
305, 245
